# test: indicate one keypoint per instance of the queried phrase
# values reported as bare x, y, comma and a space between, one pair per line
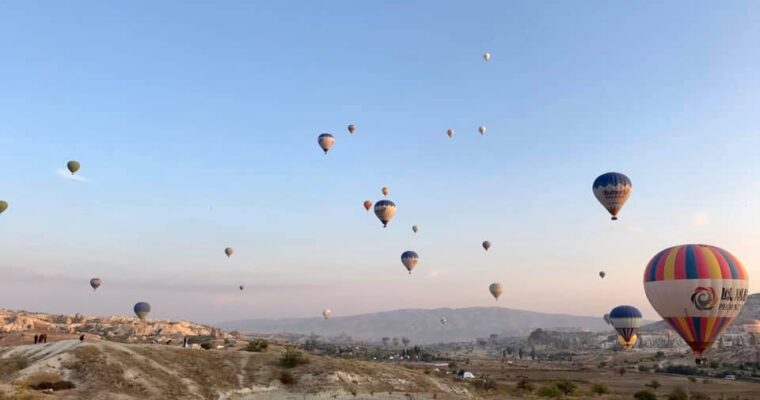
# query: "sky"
196, 126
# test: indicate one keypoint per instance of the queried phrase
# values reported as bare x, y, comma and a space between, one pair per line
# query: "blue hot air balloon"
385, 210
612, 190
626, 321
142, 309
410, 259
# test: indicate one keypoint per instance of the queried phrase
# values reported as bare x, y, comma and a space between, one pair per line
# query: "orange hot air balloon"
367, 205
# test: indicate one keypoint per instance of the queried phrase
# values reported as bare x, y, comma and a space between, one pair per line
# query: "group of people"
41, 338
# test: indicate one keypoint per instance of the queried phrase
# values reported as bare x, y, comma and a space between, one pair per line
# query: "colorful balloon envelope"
410, 259
628, 344
142, 309
326, 141
496, 290
385, 210
698, 289
95, 283
626, 321
612, 190
607, 319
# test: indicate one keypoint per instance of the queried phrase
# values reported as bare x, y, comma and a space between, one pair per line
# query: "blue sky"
196, 127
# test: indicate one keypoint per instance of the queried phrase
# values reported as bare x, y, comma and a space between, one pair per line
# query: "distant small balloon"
486, 245
228, 251
73, 166
95, 283
602, 274
415, 228
386, 191
443, 321
496, 290
241, 288
351, 129
487, 56
482, 130
327, 313
450, 132
326, 141
385, 210
142, 309
3, 206
367, 205
410, 259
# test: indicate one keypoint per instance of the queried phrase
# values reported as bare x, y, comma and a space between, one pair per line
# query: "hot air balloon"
241, 288
486, 245
482, 130
607, 319
228, 251
628, 344
3, 206
326, 141
351, 129
415, 228
443, 321
142, 309
95, 283
450, 132
386, 191
385, 210
496, 290
73, 166
367, 205
612, 190
410, 260
698, 289
602, 274
626, 321
487, 56
327, 313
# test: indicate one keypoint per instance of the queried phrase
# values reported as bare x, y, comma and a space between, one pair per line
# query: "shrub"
526, 385
257, 346
292, 359
692, 379
644, 368
286, 378
206, 346
654, 384
566, 387
699, 396
599, 389
678, 394
645, 395
549, 390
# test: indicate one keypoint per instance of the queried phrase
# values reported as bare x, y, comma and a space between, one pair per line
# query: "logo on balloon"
704, 298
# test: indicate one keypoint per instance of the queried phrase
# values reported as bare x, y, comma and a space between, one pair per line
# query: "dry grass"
11, 365
98, 374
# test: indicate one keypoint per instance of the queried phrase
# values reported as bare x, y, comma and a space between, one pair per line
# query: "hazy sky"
196, 126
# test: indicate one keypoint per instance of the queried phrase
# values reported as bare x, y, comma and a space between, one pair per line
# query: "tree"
599, 389
645, 395
566, 386
654, 384
678, 394
549, 390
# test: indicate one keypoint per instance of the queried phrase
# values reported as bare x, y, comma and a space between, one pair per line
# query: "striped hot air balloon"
698, 289
626, 321
628, 344
612, 190
326, 141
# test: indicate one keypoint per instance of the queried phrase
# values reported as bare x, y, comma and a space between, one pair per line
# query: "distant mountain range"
750, 314
423, 326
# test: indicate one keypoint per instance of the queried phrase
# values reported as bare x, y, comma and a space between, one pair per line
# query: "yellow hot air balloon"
367, 205
627, 345
496, 290
228, 251
73, 166
3, 206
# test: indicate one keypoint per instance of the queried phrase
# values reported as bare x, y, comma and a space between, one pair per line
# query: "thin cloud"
68, 175
700, 219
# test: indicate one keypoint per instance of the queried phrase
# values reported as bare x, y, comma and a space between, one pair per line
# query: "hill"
69, 369
423, 326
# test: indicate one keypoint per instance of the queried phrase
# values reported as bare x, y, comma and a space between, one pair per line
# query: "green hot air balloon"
73, 166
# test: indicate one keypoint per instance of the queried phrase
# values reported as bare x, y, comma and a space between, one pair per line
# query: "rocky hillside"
107, 370
18, 327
